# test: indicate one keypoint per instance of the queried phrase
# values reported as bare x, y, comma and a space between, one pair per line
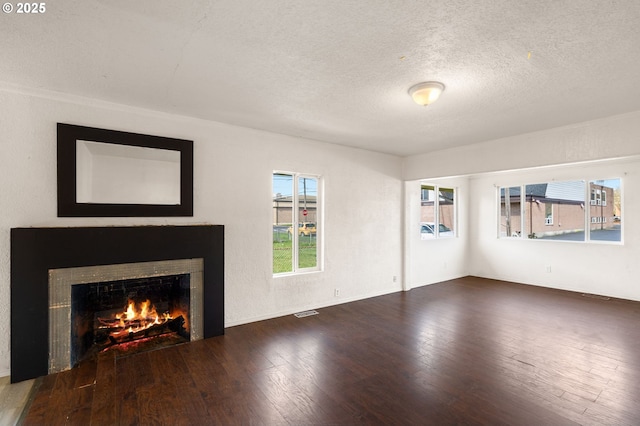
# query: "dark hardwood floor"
467, 351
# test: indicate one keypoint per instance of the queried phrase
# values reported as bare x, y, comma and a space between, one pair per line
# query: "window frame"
295, 208
436, 215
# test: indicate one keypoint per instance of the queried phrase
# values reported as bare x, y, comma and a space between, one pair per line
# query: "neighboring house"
557, 208
282, 209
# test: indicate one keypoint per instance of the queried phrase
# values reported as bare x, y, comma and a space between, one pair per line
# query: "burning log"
175, 325
117, 323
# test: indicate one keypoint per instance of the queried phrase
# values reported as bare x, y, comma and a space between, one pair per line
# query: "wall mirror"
111, 173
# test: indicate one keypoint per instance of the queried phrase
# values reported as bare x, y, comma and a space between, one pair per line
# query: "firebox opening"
129, 315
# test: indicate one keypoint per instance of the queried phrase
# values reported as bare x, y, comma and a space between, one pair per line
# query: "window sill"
297, 273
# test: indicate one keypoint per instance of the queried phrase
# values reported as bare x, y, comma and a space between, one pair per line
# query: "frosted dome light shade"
426, 93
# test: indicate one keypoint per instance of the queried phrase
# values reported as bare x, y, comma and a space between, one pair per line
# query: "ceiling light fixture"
426, 93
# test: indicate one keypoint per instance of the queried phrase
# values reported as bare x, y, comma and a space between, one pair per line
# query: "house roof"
533, 190
339, 71
564, 191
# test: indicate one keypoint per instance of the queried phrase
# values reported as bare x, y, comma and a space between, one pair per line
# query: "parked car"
427, 230
304, 229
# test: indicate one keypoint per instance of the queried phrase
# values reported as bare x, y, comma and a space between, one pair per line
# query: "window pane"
510, 212
282, 223
427, 212
555, 211
446, 219
548, 214
605, 210
307, 222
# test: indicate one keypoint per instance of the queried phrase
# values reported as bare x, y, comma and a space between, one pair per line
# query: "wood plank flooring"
467, 351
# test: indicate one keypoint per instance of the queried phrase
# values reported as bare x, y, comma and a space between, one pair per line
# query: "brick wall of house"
604, 211
565, 218
447, 217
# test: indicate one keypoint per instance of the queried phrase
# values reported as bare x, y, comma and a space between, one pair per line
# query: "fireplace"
127, 308
78, 291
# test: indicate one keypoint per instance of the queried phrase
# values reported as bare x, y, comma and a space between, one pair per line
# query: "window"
296, 223
440, 210
548, 213
557, 211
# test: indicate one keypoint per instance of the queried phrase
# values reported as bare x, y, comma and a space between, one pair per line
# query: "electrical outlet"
336, 292
548, 268
395, 278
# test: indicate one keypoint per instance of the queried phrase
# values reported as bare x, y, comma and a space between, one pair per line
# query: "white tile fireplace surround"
48, 261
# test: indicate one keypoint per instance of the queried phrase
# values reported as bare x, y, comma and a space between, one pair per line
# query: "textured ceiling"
339, 71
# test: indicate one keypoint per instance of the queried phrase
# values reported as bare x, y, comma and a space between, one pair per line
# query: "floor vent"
306, 314
596, 296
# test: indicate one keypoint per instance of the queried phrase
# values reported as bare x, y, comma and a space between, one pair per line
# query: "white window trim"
436, 214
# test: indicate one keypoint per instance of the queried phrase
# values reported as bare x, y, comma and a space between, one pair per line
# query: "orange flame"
137, 318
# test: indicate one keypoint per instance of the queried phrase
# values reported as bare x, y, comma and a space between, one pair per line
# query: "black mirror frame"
68, 134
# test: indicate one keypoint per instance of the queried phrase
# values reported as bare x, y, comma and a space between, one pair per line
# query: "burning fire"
135, 318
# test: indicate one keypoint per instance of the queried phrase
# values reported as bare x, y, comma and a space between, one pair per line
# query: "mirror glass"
124, 174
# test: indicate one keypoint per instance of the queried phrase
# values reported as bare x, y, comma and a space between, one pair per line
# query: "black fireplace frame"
68, 206
34, 251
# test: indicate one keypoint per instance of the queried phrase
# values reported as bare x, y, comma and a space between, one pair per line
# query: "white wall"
432, 261
612, 137
606, 148
595, 267
233, 166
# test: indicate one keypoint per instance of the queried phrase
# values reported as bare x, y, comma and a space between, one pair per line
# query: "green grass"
283, 253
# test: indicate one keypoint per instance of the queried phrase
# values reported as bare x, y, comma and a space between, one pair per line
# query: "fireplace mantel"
34, 251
